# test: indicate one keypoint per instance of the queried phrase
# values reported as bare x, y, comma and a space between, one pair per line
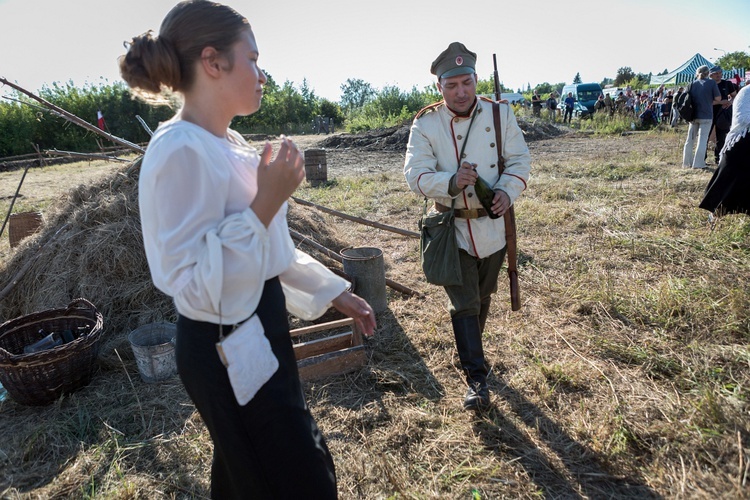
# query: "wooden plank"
323, 345
323, 326
332, 363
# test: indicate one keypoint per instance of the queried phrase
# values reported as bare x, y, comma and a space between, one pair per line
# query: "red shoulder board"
427, 109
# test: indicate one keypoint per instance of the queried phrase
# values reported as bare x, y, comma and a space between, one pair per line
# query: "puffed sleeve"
310, 287
211, 263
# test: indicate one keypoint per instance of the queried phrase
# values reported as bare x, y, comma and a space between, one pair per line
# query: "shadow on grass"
103, 436
394, 366
574, 471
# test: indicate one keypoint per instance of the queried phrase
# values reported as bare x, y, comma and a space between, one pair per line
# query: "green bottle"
485, 194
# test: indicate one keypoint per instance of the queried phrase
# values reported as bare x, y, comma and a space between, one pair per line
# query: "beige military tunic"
432, 159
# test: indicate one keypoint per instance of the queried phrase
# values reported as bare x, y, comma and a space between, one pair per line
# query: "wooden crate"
329, 355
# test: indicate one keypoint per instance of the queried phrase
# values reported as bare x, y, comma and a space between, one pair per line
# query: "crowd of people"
650, 107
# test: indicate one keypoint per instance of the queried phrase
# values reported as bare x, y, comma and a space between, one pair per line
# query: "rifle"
510, 215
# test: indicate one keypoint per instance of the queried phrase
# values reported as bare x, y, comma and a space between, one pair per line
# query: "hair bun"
150, 64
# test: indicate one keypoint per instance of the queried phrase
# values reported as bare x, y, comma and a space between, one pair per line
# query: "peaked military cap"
455, 60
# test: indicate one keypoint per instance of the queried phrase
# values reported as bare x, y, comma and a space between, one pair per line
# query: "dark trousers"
479, 283
721, 137
271, 447
568, 115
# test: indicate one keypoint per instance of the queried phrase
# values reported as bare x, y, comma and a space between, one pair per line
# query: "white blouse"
205, 247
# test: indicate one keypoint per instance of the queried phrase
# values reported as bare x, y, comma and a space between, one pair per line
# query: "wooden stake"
359, 220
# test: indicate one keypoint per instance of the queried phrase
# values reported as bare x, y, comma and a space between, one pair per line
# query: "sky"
386, 42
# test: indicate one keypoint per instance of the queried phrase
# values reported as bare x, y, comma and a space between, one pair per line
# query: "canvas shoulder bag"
438, 246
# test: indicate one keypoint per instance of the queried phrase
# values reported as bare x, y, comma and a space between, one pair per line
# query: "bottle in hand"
485, 194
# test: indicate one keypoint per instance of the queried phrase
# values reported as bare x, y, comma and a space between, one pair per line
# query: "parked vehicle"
585, 95
513, 97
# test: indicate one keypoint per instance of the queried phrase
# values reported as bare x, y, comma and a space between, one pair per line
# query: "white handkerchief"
249, 359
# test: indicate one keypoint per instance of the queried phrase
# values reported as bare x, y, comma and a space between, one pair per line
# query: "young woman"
213, 213
728, 191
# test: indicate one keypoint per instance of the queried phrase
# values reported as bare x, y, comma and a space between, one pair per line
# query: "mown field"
626, 374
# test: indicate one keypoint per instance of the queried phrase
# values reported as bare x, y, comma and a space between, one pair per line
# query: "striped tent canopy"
686, 72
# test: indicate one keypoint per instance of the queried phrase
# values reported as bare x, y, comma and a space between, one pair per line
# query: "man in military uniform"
433, 169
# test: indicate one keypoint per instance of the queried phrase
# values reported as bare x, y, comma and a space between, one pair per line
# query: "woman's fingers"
265, 155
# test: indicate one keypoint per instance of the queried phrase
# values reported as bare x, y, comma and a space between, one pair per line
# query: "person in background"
435, 168
536, 104
621, 103
610, 104
704, 94
569, 104
722, 118
552, 106
600, 106
728, 191
648, 117
676, 118
666, 107
213, 214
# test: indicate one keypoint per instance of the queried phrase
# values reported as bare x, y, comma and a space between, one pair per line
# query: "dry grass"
625, 375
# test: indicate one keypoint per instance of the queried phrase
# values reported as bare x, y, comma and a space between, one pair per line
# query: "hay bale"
98, 254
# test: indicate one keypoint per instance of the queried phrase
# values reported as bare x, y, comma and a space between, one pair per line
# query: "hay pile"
91, 246
396, 138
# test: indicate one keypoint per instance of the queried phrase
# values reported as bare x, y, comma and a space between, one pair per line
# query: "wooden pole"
88, 156
359, 220
74, 119
327, 251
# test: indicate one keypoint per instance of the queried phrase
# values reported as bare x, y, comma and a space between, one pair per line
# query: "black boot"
469, 344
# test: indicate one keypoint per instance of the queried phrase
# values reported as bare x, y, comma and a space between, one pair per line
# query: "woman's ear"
211, 62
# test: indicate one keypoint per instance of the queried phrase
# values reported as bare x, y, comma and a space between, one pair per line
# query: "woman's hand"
358, 309
277, 179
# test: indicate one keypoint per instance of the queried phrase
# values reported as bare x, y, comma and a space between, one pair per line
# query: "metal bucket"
365, 265
153, 346
316, 169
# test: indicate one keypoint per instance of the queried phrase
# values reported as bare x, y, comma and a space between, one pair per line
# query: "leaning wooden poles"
74, 119
359, 220
335, 256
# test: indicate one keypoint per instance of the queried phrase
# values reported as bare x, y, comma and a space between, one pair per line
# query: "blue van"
585, 95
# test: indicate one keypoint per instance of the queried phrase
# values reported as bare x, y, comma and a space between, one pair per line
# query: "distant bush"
25, 123
388, 108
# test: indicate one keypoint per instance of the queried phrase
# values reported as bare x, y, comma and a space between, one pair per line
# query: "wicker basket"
22, 225
42, 377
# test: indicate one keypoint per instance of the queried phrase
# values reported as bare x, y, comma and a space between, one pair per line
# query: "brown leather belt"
463, 213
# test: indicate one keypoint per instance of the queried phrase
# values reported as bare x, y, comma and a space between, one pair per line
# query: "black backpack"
684, 105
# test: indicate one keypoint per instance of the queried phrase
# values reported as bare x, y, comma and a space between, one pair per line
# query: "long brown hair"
153, 65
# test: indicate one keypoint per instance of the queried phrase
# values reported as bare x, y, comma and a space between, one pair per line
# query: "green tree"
624, 74
734, 60
331, 110
355, 93
577, 78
